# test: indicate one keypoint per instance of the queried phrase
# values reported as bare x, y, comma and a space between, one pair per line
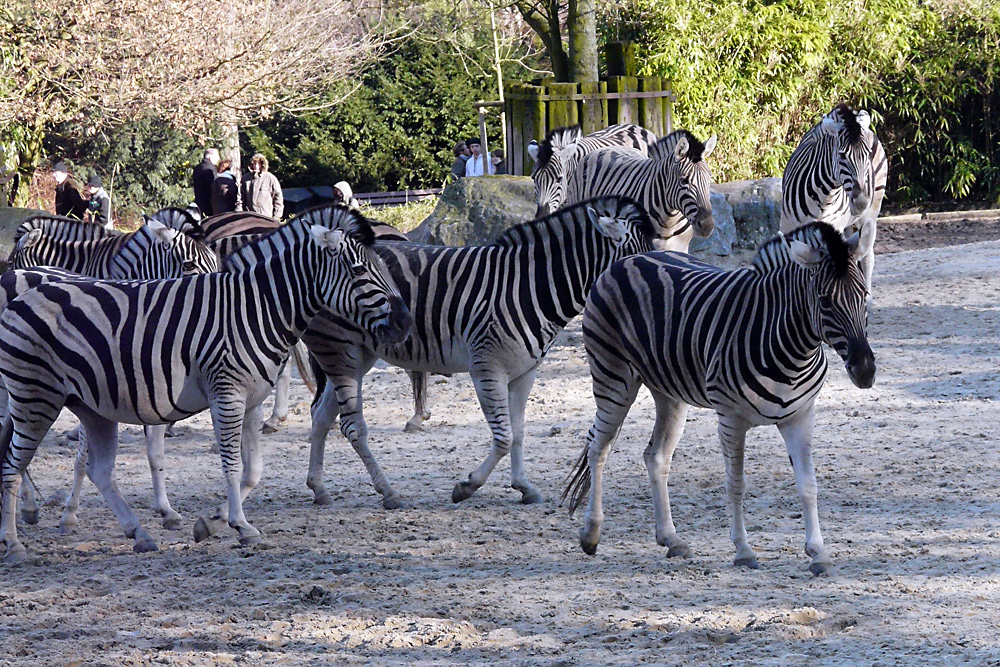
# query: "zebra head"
181, 219
624, 222
172, 253
25, 252
836, 293
688, 178
357, 285
855, 143
549, 171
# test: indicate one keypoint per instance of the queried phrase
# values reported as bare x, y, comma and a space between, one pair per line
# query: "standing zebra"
558, 154
673, 185
491, 311
746, 343
837, 174
157, 351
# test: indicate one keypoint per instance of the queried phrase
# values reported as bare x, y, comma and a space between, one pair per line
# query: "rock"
756, 209
721, 241
474, 211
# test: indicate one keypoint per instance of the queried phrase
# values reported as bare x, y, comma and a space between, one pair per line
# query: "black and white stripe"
746, 343
152, 352
491, 311
672, 184
837, 174
557, 155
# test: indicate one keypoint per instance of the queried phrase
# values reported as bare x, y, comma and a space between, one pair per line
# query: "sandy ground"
908, 505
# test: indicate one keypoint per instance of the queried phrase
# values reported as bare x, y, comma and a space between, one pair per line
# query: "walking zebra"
747, 343
673, 184
837, 174
558, 154
491, 311
157, 351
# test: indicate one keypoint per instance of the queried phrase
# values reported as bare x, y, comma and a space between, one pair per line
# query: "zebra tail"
578, 483
320, 384
6, 435
301, 355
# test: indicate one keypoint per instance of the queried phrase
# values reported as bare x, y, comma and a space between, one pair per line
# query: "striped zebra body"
746, 343
151, 352
491, 311
837, 174
558, 154
673, 184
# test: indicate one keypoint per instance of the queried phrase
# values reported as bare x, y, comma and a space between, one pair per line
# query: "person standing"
343, 194
99, 206
477, 165
225, 190
260, 190
69, 201
461, 157
201, 180
499, 164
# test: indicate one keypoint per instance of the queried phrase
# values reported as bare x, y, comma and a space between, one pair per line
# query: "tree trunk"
582, 27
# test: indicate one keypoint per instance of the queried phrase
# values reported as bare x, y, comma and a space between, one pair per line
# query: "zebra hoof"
413, 427
531, 497
202, 531
250, 540
30, 517
16, 555
145, 547
819, 569
589, 548
462, 491
270, 427
393, 503
679, 551
749, 562
173, 523
324, 499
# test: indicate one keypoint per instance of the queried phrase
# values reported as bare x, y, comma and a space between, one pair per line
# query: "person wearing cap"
260, 190
69, 201
343, 194
201, 180
99, 206
477, 165
461, 157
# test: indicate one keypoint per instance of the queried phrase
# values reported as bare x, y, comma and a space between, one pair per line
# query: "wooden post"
668, 109
563, 113
620, 58
623, 111
514, 115
651, 108
533, 123
593, 113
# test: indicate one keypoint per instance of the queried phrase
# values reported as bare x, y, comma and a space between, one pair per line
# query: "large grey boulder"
756, 209
722, 239
474, 211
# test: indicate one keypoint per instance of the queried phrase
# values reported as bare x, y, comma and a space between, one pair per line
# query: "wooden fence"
532, 110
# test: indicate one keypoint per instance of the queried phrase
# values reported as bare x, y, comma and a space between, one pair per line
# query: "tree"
547, 18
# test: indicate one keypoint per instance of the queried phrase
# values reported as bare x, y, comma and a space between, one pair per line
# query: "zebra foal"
837, 174
673, 184
746, 343
491, 311
153, 352
557, 155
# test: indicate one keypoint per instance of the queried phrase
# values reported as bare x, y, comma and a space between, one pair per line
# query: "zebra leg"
30, 510
732, 435
67, 524
614, 396
238, 429
420, 411
518, 392
797, 433
491, 388
100, 436
154, 454
324, 413
670, 418
17, 451
280, 412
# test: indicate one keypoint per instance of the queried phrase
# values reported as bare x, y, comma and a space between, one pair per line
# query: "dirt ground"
908, 506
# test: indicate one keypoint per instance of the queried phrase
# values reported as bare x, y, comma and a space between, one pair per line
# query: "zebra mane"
332, 216
611, 206
851, 126
82, 231
665, 146
177, 218
555, 140
819, 235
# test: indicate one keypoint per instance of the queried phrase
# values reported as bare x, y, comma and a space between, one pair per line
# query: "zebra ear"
864, 120
31, 238
533, 149
161, 232
613, 228
804, 255
328, 239
681, 149
860, 243
709, 147
831, 126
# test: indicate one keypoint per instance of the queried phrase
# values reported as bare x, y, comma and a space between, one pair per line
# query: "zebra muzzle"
395, 328
860, 365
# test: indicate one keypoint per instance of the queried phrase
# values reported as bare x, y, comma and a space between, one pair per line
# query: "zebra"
747, 343
673, 184
837, 174
152, 352
491, 311
558, 154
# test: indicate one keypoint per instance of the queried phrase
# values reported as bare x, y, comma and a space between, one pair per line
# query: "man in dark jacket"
201, 181
69, 201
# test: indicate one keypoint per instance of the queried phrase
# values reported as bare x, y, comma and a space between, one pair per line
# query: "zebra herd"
187, 315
